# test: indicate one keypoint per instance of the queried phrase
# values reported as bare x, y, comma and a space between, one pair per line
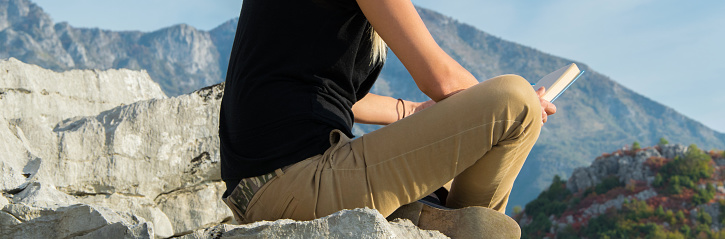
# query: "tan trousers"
479, 137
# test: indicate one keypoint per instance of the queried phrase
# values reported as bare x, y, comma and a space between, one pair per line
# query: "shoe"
468, 222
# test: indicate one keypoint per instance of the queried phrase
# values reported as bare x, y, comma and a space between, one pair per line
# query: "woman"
298, 78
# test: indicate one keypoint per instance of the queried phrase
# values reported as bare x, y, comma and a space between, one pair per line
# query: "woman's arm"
399, 24
434, 71
383, 110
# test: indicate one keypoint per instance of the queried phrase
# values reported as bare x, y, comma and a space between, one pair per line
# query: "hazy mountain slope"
596, 115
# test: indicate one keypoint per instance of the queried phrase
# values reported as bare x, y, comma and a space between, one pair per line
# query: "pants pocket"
289, 209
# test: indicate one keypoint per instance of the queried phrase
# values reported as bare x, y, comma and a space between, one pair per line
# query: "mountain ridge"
595, 115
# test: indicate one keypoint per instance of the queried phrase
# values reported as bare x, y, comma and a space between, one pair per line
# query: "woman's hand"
547, 108
418, 106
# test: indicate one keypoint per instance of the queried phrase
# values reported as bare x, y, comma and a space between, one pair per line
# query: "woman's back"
296, 69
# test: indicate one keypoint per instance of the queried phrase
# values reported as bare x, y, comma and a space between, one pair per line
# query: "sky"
670, 51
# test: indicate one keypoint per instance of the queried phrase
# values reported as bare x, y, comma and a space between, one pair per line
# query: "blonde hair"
380, 49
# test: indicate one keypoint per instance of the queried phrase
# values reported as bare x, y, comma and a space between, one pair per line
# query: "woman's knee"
513, 90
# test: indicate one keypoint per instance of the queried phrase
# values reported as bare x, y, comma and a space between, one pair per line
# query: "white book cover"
558, 81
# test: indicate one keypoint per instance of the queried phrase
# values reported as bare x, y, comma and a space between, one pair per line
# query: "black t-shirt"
296, 69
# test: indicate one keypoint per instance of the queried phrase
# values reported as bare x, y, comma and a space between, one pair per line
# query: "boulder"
23, 221
43, 195
145, 149
29, 91
142, 207
195, 207
671, 151
624, 167
357, 223
74, 138
17, 164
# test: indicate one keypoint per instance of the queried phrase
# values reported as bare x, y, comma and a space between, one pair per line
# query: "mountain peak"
22, 14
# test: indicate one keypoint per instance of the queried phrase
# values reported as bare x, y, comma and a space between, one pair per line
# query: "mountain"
665, 191
595, 115
181, 58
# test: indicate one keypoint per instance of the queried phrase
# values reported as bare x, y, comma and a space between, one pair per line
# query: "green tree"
658, 180
680, 216
685, 229
704, 217
517, 209
660, 212
685, 170
663, 142
670, 217
636, 146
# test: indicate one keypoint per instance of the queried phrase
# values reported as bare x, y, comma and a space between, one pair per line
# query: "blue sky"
670, 51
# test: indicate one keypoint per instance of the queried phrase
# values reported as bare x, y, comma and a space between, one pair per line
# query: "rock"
195, 207
142, 207
3, 201
145, 148
42, 195
17, 163
29, 91
23, 221
599, 209
118, 230
671, 151
356, 223
48, 126
581, 179
33, 100
624, 167
712, 209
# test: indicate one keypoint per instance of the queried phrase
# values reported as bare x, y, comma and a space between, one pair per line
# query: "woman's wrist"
406, 108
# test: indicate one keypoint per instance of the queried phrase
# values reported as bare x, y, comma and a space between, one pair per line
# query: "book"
558, 81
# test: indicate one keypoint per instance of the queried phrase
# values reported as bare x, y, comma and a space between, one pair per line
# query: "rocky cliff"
109, 140
665, 191
105, 154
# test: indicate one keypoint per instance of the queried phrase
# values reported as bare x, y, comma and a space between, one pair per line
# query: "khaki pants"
479, 137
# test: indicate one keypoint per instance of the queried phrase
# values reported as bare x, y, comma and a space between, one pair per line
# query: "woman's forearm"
382, 110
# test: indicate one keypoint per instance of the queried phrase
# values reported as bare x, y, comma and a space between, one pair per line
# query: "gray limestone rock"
43, 195
142, 207
23, 221
119, 230
357, 223
671, 151
195, 207
17, 163
29, 91
145, 148
3, 201
624, 167
61, 146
